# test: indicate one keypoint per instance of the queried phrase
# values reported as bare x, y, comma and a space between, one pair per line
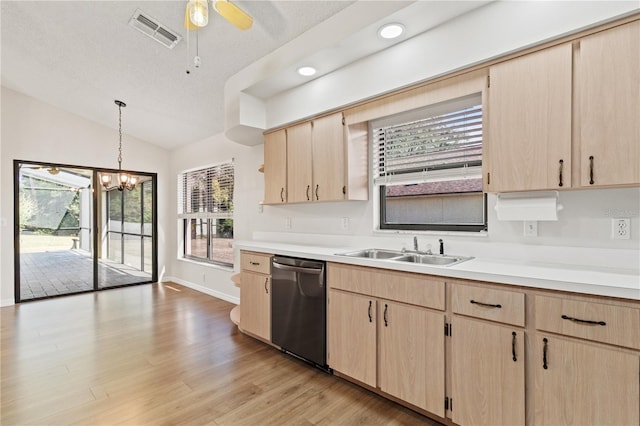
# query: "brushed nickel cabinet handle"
282, 195
308, 188
591, 181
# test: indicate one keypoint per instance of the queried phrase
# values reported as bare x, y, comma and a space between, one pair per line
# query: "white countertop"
578, 279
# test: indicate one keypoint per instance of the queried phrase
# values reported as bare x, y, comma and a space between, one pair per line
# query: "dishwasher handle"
313, 271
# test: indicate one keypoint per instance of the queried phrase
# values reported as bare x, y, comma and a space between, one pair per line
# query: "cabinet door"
487, 384
530, 121
255, 299
608, 84
584, 384
299, 165
352, 336
412, 355
329, 158
275, 167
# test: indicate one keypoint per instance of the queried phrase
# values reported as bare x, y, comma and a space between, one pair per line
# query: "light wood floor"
154, 355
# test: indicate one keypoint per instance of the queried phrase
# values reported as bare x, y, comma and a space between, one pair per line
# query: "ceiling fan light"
233, 14
198, 12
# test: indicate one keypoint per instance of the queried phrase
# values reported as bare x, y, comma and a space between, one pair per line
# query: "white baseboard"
6, 302
205, 290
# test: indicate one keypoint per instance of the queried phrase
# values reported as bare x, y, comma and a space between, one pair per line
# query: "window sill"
206, 264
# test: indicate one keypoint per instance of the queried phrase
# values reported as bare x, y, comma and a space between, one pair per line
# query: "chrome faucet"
415, 247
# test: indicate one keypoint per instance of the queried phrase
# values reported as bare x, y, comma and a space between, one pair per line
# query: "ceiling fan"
197, 14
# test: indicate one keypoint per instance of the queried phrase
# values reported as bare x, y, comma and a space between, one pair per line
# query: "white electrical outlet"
530, 228
621, 228
287, 222
345, 223
260, 208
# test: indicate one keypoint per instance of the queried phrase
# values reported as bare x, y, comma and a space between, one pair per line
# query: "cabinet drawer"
600, 322
255, 262
415, 289
489, 303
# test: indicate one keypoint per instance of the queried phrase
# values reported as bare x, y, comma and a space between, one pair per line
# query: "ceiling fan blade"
233, 14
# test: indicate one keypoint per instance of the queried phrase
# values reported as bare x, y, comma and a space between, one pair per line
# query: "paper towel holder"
537, 206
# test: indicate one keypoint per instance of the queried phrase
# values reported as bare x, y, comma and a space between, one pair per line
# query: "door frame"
96, 235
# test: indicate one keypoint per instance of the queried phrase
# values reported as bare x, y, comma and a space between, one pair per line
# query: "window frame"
209, 218
380, 184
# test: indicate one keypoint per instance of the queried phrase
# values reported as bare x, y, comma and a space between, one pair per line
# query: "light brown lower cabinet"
352, 336
408, 357
580, 383
488, 371
256, 304
411, 356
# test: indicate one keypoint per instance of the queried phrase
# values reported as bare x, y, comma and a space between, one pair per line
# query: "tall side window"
205, 208
428, 167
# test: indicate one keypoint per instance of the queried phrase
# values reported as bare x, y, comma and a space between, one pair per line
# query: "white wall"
35, 131
494, 30
249, 184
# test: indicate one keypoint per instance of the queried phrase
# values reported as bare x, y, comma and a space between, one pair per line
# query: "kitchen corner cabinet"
255, 294
608, 85
530, 121
275, 167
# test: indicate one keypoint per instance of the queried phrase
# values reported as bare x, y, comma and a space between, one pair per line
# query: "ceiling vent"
154, 29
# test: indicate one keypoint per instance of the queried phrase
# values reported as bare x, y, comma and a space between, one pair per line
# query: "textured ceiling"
81, 55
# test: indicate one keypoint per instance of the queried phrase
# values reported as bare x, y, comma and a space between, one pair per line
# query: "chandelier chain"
120, 136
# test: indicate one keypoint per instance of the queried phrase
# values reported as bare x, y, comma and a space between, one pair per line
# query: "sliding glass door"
73, 235
128, 238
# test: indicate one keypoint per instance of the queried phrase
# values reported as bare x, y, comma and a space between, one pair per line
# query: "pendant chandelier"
125, 180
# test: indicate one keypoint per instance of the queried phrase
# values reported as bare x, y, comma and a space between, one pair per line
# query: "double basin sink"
407, 257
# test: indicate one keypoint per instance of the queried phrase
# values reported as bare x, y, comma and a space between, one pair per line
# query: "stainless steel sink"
432, 259
374, 254
404, 256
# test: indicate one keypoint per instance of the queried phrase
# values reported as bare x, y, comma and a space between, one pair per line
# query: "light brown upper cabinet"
319, 160
329, 158
275, 167
530, 121
299, 163
608, 93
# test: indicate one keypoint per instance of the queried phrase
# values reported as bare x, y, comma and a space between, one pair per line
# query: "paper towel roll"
527, 207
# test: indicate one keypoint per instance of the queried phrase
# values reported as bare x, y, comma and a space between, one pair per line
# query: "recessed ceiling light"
391, 30
306, 71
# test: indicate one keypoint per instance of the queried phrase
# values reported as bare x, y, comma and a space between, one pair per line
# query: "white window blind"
438, 142
206, 193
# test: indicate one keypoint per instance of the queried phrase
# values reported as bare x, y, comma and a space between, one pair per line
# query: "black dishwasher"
298, 308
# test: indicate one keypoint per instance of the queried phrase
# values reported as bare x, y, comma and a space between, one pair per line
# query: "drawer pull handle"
560, 172
544, 354
266, 289
585, 322
251, 262
386, 307
486, 305
513, 346
370, 317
